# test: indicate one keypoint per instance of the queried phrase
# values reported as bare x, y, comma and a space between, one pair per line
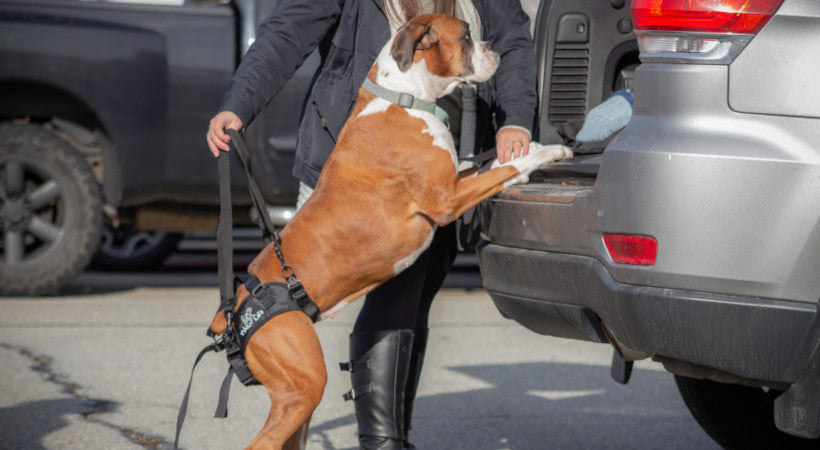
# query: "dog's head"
443, 47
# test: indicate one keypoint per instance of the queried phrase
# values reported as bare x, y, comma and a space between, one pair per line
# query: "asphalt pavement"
105, 365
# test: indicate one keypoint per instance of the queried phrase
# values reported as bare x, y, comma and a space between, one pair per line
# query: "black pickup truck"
103, 111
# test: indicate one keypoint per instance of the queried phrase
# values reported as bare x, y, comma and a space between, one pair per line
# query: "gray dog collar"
405, 100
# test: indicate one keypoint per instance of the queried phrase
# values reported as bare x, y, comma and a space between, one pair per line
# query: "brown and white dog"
388, 184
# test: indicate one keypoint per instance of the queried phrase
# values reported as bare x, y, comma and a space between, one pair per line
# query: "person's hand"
511, 143
216, 136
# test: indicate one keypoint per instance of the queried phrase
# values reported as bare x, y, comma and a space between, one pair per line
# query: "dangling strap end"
222, 405
183, 407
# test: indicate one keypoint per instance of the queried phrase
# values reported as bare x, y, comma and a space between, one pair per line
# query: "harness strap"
251, 283
304, 301
231, 341
268, 230
235, 352
296, 292
483, 156
466, 146
183, 408
467, 143
405, 100
224, 392
224, 240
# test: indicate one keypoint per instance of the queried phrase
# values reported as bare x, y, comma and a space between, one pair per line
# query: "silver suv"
693, 239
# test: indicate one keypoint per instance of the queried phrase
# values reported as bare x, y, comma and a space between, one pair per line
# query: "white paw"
538, 155
557, 152
520, 179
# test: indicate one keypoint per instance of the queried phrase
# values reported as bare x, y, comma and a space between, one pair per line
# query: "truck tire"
124, 248
50, 211
737, 417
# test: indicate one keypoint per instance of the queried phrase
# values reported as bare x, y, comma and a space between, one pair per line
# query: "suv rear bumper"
574, 296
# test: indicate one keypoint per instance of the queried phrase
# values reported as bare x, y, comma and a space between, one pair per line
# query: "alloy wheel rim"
32, 212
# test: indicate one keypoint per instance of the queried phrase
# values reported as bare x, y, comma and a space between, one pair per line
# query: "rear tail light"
631, 249
698, 31
703, 16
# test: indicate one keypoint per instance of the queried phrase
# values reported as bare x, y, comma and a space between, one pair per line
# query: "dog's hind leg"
285, 357
298, 441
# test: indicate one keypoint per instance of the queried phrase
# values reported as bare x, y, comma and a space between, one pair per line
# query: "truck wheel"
50, 211
124, 248
737, 417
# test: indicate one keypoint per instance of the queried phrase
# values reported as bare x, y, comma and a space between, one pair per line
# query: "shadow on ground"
547, 406
23, 426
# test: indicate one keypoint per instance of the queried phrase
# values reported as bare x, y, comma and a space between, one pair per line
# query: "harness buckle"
406, 100
297, 292
232, 348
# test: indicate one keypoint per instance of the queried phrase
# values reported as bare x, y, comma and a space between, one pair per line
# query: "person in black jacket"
390, 336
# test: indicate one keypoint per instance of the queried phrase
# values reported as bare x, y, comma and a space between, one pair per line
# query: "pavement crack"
92, 407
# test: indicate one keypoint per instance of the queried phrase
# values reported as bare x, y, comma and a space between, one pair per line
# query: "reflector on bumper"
631, 249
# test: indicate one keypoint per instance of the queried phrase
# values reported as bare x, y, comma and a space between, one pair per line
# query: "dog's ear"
412, 37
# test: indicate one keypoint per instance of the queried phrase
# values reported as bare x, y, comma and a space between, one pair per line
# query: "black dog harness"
264, 302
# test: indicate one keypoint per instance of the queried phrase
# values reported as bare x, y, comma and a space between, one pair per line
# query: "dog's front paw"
519, 179
537, 156
567, 153
553, 153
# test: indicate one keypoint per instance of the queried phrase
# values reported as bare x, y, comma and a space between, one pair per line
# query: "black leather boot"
416, 361
379, 368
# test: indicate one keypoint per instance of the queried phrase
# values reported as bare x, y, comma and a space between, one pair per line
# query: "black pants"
403, 302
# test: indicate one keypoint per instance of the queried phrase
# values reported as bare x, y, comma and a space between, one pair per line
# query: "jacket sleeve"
284, 40
515, 84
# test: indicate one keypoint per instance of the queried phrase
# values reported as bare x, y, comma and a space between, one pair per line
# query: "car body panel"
733, 199
780, 86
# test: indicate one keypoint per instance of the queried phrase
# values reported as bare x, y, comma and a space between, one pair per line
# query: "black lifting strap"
467, 143
297, 291
229, 339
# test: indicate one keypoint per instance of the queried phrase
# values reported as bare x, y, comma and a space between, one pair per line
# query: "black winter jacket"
349, 35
